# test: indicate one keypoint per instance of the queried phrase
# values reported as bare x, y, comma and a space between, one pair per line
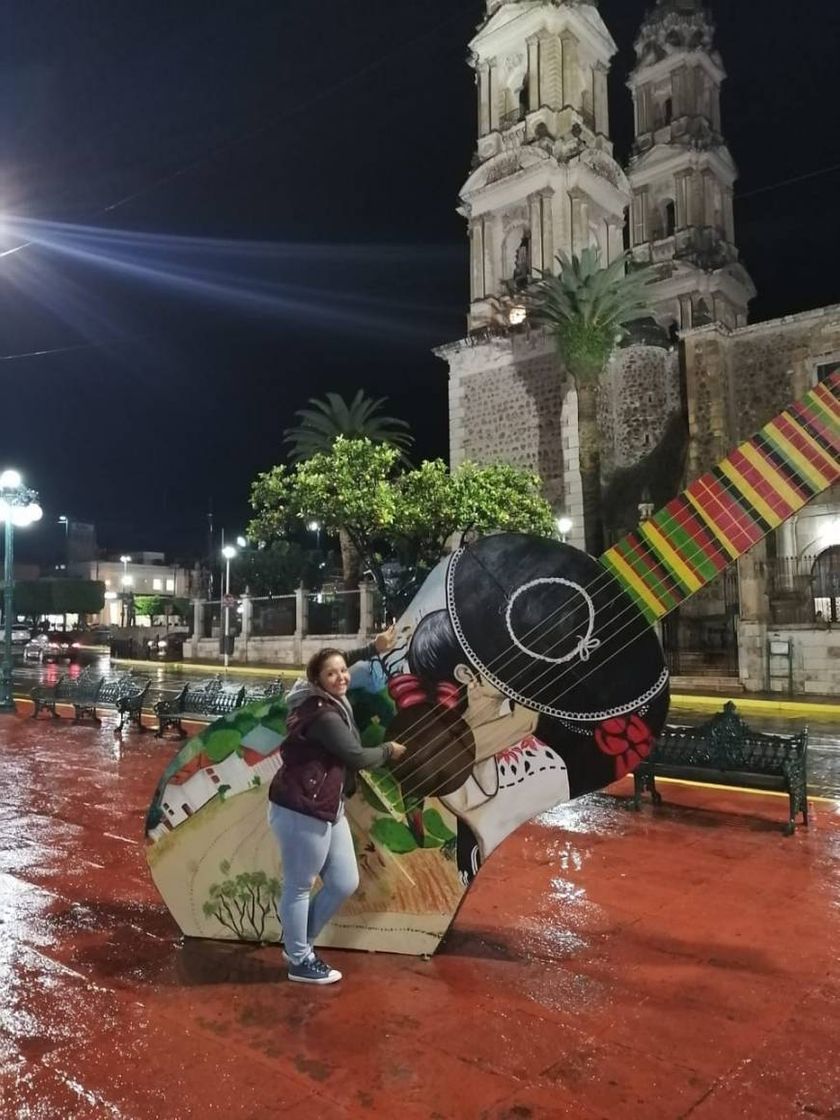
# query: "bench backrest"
726, 742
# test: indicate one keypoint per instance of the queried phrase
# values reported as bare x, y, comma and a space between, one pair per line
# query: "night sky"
251, 202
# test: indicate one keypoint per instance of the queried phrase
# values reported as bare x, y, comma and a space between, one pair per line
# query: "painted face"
334, 677
496, 722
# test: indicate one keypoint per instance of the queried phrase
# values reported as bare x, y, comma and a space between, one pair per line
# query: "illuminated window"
170, 585
157, 585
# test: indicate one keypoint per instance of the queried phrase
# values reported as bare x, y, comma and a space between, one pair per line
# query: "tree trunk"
590, 466
351, 562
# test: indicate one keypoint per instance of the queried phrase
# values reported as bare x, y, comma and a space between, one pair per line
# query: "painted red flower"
628, 739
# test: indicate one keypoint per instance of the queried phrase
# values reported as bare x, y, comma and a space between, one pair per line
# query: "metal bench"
169, 708
83, 694
46, 696
726, 751
204, 700
272, 690
129, 701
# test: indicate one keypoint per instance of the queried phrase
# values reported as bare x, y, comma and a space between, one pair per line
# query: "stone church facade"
545, 179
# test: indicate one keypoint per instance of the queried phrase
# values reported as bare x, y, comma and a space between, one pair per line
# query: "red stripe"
728, 515
830, 399
760, 484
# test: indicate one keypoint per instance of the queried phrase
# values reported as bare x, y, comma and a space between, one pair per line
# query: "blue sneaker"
313, 970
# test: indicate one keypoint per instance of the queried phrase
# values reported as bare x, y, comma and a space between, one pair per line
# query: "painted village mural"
525, 673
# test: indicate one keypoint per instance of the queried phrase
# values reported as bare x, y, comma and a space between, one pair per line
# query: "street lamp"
65, 521
228, 552
564, 527
18, 507
315, 527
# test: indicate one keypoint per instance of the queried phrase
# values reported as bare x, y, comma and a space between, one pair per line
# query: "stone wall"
640, 392
738, 380
815, 657
506, 405
271, 651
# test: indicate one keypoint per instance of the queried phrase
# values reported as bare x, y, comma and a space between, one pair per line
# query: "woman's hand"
397, 751
384, 641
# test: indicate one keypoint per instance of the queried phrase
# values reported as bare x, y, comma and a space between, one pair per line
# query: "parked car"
51, 647
20, 635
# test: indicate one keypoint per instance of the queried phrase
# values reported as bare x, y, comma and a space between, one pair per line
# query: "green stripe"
693, 549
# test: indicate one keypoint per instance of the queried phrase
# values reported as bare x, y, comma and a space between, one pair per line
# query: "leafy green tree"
385, 512
276, 569
325, 420
586, 308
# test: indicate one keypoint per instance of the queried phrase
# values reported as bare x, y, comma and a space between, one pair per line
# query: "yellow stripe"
824, 395
714, 529
796, 456
774, 479
759, 504
671, 557
632, 579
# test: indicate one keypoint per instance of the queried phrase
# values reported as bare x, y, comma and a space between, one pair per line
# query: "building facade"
545, 180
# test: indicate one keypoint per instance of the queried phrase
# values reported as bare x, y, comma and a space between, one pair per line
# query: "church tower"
682, 173
543, 180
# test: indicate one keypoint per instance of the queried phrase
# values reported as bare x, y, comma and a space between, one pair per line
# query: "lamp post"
125, 561
564, 527
315, 527
18, 507
228, 552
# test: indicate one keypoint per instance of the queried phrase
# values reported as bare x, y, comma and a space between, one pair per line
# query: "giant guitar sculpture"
526, 673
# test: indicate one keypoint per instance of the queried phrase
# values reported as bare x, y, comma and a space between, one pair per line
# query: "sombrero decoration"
547, 626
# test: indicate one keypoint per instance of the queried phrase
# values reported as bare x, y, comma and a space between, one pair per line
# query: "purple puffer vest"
311, 780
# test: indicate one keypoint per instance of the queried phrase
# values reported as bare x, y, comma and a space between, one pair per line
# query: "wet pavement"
677, 963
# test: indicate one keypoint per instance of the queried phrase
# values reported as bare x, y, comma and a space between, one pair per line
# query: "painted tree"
587, 308
362, 418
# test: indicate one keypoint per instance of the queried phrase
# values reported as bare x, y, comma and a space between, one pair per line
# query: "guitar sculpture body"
525, 673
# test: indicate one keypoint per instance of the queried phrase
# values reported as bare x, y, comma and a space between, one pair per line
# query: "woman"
321, 755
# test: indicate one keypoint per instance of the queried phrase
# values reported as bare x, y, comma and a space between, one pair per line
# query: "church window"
522, 263
702, 314
825, 581
668, 110
826, 369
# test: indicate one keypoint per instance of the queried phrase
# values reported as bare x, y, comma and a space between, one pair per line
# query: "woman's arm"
331, 732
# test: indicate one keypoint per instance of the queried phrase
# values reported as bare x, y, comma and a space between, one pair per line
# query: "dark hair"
434, 652
318, 660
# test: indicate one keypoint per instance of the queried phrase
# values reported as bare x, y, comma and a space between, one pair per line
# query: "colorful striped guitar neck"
726, 511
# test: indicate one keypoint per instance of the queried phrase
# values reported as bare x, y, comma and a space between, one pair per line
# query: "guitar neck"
729, 509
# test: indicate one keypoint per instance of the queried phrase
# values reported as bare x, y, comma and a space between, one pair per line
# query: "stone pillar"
640, 217
493, 97
546, 209
247, 616
682, 182
678, 92
533, 73
535, 203
552, 53
708, 198
492, 237
645, 114
301, 621
600, 100
788, 553
483, 99
570, 86
686, 313
752, 585
477, 272
365, 612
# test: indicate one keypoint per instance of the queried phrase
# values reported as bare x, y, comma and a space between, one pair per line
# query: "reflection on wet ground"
672, 963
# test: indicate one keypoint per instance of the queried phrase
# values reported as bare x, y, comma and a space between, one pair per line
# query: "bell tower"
544, 177
682, 173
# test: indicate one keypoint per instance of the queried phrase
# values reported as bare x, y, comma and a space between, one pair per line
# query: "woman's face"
334, 677
496, 722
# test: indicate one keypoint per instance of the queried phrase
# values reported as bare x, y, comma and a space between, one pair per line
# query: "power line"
790, 182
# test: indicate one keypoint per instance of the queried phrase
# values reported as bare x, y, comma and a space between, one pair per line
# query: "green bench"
726, 751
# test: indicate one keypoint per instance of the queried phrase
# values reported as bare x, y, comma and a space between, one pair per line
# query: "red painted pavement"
672, 964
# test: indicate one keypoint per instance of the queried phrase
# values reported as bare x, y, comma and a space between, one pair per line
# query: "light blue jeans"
309, 848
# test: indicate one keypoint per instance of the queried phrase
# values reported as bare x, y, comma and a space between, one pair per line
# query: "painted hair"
430, 704
317, 661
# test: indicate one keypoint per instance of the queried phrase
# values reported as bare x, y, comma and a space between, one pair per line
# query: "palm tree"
319, 426
362, 418
586, 308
